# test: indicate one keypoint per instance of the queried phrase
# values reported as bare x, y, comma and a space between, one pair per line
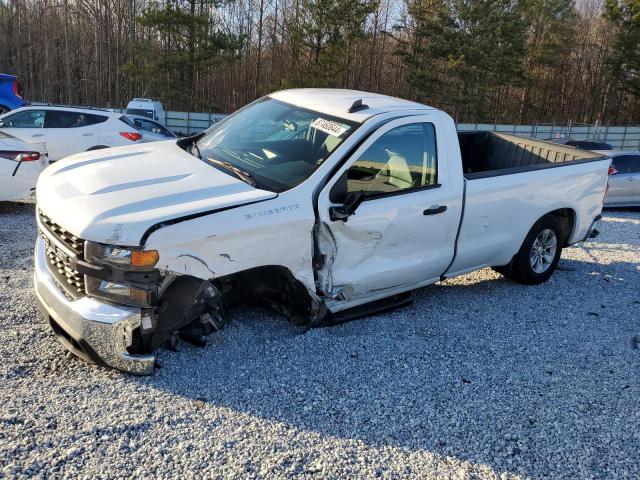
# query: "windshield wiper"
241, 174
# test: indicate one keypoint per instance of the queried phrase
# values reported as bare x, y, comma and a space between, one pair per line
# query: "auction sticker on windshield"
327, 126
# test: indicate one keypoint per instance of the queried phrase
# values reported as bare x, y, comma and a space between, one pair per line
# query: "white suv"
69, 130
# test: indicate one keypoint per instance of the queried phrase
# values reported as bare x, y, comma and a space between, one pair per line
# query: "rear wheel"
539, 254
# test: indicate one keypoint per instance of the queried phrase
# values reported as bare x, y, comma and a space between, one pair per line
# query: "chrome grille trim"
60, 248
73, 243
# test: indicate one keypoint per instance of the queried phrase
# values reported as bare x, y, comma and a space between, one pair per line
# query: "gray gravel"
479, 378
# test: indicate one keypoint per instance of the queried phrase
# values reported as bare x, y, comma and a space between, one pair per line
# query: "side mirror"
344, 211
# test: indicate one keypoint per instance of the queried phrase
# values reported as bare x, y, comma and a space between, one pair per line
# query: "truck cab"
323, 205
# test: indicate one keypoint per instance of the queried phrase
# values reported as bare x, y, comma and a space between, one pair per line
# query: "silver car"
151, 130
624, 179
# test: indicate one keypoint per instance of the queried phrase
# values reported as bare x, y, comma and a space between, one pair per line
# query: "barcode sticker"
327, 126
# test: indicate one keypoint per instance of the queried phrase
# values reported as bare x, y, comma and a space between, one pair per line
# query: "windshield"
278, 145
138, 111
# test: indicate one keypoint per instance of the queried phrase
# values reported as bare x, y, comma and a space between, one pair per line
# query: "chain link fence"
619, 137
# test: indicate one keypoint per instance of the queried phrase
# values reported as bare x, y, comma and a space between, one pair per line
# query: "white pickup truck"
322, 204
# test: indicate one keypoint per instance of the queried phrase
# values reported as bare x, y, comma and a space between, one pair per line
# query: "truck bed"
487, 154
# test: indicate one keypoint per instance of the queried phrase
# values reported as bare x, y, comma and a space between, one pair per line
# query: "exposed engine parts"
191, 309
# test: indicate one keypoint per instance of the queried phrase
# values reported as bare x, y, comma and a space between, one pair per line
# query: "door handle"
38, 135
88, 134
435, 210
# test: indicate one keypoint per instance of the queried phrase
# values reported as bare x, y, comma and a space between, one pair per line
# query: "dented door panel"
391, 243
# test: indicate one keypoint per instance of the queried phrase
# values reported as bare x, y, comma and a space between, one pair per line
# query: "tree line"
503, 61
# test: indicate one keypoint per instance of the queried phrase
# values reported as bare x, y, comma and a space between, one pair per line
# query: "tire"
539, 254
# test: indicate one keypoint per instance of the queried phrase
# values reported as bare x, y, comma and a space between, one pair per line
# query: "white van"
146, 107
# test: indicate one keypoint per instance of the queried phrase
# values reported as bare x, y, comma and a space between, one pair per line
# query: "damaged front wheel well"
190, 306
273, 287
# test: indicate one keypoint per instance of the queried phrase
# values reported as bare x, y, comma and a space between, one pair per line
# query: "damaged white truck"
324, 205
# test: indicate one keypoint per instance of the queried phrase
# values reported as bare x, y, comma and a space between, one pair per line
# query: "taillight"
612, 171
28, 157
16, 89
134, 137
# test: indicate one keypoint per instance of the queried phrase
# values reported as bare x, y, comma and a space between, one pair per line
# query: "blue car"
9, 93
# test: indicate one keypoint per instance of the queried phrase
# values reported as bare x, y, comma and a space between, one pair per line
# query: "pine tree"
190, 44
462, 50
551, 28
324, 31
625, 57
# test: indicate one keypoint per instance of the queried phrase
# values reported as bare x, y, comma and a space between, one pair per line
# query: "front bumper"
91, 329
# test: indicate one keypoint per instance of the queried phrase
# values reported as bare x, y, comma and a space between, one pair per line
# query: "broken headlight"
127, 263
121, 257
120, 292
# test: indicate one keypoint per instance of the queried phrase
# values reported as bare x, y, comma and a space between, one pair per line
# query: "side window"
95, 119
627, 163
149, 126
164, 131
62, 119
25, 119
403, 158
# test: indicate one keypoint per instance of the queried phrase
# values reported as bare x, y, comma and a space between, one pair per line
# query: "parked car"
586, 144
624, 179
380, 196
151, 130
146, 107
68, 130
21, 162
10, 96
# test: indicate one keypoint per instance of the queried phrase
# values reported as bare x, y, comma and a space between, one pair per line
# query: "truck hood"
114, 195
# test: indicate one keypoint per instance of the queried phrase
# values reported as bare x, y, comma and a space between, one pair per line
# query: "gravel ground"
479, 378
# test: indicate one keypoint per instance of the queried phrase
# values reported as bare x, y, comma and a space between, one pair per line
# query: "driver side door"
402, 235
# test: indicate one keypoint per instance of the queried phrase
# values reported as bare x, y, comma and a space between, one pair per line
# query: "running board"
389, 303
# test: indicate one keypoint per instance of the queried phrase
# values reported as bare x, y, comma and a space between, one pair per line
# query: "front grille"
74, 243
67, 277
58, 261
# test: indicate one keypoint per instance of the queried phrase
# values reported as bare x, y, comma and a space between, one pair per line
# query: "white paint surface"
388, 247
21, 184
